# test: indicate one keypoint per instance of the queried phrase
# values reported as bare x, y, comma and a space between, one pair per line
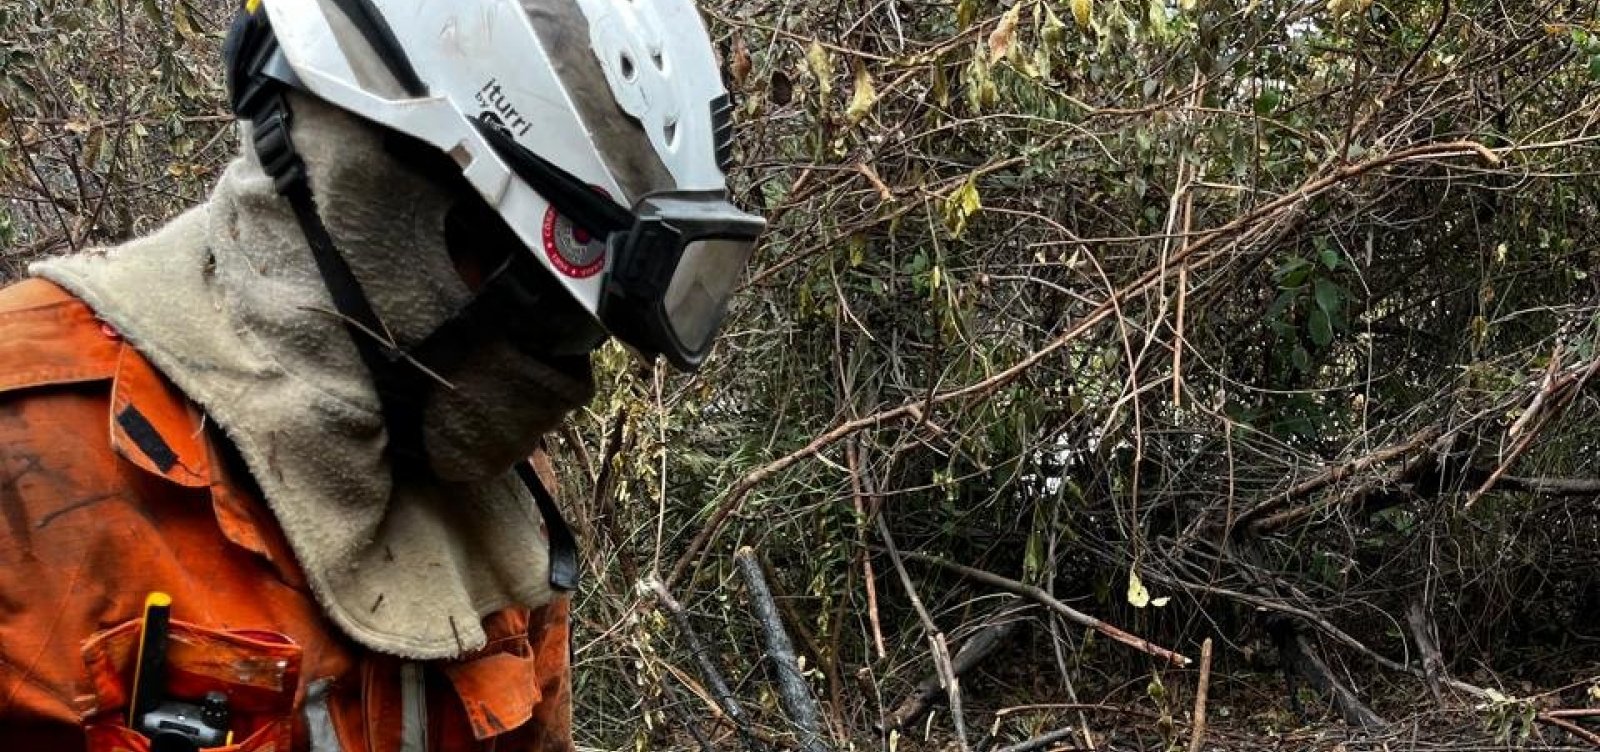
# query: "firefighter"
302, 411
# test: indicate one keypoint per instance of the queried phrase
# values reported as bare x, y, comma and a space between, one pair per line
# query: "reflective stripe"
319, 723
413, 709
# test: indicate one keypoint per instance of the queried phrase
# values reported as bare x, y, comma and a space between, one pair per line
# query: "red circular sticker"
572, 250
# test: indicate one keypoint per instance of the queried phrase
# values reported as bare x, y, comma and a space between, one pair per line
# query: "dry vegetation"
1273, 322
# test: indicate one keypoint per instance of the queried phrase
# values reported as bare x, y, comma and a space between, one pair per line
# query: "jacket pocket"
520, 682
258, 671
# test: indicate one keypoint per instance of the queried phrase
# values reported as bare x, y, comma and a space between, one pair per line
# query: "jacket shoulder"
49, 337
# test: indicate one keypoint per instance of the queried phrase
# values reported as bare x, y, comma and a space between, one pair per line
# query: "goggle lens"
697, 299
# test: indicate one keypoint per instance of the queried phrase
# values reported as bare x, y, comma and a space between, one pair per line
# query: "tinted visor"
697, 299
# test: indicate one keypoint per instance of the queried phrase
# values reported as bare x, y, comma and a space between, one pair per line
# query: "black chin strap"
399, 374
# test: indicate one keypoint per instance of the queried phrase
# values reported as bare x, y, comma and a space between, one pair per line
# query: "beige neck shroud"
227, 303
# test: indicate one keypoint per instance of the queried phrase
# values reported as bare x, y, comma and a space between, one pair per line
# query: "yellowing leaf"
1052, 30
1004, 34
960, 205
966, 13
820, 63
864, 97
1187, 5
1083, 12
1162, 601
1137, 595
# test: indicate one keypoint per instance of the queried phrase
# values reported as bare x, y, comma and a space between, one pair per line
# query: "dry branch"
1191, 257
708, 667
1197, 733
1330, 477
792, 688
1302, 657
1049, 601
1422, 632
936, 640
1041, 742
972, 654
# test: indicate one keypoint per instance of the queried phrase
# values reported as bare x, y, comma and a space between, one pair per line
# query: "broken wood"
1570, 727
1422, 632
1197, 732
973, 653
708, 667
793, 691
1303, 659
937, 645
1041, 742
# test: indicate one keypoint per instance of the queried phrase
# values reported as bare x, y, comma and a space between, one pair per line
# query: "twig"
708, 667
676, 705
792, 689
1049, 601
1197, 733
1432, 661
973, 653
1040, 742
1337, 473
1193, 255
1559, 396
936, 641
1571, 728
852, 459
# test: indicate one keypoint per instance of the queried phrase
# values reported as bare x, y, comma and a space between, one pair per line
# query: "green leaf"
1329, 297
1321, 327
1594, 66
1268, 102
1301, 359
1331, 257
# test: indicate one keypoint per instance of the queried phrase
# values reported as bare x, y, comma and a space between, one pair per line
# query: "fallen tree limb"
792, 689
972, 654
1049, 601
1422, 632
1303, 659
708, 667
1040, 742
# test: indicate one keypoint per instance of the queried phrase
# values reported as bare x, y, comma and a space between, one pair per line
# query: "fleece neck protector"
227, 302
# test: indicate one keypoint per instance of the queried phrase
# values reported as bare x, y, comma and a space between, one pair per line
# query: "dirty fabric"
227, 303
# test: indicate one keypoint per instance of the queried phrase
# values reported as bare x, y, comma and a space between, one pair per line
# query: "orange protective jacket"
113, 486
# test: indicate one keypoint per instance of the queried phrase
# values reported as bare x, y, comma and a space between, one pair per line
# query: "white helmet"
599, 130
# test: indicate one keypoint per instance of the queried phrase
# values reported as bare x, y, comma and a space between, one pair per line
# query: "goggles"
674, 259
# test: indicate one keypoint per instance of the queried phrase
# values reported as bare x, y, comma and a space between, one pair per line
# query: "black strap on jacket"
399, 374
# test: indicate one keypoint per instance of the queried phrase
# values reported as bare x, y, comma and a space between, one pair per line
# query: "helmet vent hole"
659, 59
670, 131
628, 71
